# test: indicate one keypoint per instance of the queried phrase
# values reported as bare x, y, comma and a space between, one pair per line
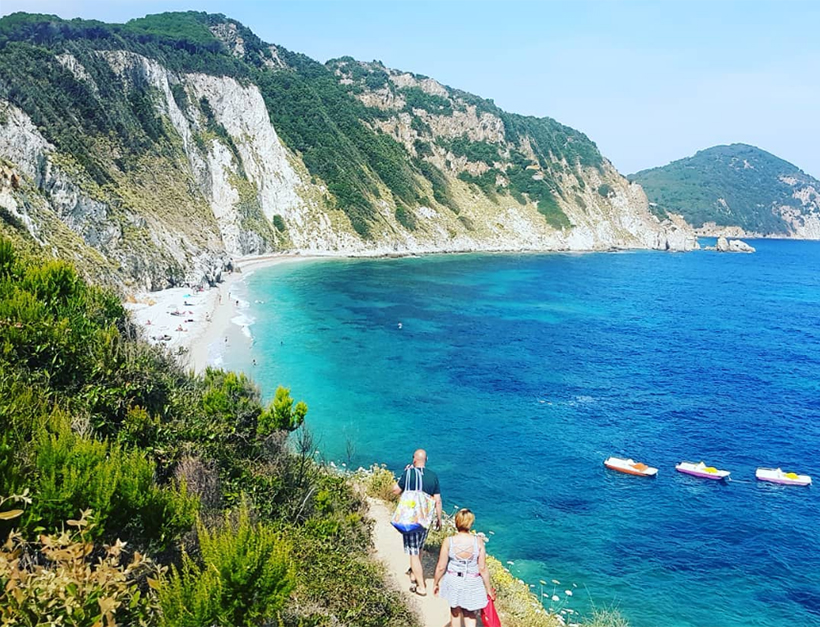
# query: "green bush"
485, 182
244, 579
337, 582
281, 414
378, 482
406, 218
604, 190
420, 126
539, 191
482, 152
74, 473
190, 596
279, 223
441, 187
417, 98
376, 79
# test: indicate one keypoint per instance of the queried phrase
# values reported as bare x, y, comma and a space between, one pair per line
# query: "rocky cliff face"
148, 173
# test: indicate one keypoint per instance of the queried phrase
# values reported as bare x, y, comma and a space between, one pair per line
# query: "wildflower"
556, 582
542, 582
510, 562
568, 592
555, 597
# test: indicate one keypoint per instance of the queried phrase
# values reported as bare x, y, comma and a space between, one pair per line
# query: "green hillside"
106, 439
107, 131
736, 185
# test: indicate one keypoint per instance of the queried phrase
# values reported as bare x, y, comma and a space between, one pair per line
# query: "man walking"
414, 541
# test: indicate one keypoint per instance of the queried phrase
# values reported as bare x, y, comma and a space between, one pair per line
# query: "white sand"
156, 313
434, 611
204, 320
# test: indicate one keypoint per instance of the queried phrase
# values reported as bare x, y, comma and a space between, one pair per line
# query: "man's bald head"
420, 458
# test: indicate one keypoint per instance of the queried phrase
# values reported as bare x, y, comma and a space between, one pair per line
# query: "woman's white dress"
462, 585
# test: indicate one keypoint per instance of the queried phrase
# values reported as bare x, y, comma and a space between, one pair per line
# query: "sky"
649, 82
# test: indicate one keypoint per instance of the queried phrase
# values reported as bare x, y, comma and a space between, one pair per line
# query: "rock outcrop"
733, 246
195, 171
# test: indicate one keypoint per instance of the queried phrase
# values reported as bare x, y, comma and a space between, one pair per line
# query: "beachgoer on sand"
462, 578
414, 541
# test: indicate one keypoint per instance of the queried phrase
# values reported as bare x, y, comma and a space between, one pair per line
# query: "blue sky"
650, 82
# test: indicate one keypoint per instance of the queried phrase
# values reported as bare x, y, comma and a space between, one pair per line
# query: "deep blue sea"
520, 373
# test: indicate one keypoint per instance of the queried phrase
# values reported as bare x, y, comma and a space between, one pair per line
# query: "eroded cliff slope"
152, 153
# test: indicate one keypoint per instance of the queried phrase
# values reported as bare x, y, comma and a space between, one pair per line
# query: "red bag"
489, 617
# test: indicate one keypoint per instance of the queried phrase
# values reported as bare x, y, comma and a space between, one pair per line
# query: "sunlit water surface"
520, 373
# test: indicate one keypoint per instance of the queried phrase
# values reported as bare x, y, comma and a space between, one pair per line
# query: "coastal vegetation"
135, 492
736, 185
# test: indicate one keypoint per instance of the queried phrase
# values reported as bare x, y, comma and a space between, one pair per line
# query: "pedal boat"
775, 475
630, 467
702, 470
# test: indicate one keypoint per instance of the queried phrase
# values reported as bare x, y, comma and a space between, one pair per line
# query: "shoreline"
208, 315
204, 316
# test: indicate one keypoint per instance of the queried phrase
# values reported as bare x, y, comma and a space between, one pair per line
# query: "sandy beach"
190, 321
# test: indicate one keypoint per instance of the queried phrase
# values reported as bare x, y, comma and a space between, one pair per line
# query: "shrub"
422, 148
417, 98
281, 414
420, 126
75, 473
340, 586
245, 577
279, 223
605, 617
108, 422
604, 190
515, 601
190, 596
406, 218
481, 151
485, 182
68, 587
139, 427
377, 482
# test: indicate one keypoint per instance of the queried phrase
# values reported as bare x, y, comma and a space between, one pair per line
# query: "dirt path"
434, 612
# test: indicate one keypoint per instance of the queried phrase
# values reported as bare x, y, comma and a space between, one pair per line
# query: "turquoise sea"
520, 373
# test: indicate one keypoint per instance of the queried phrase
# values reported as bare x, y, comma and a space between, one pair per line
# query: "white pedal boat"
702, 470
776, 475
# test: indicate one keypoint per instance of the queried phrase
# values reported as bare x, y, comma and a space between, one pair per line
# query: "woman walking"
462, 572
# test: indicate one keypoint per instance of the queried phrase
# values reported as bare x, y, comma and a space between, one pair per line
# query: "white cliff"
180, 218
